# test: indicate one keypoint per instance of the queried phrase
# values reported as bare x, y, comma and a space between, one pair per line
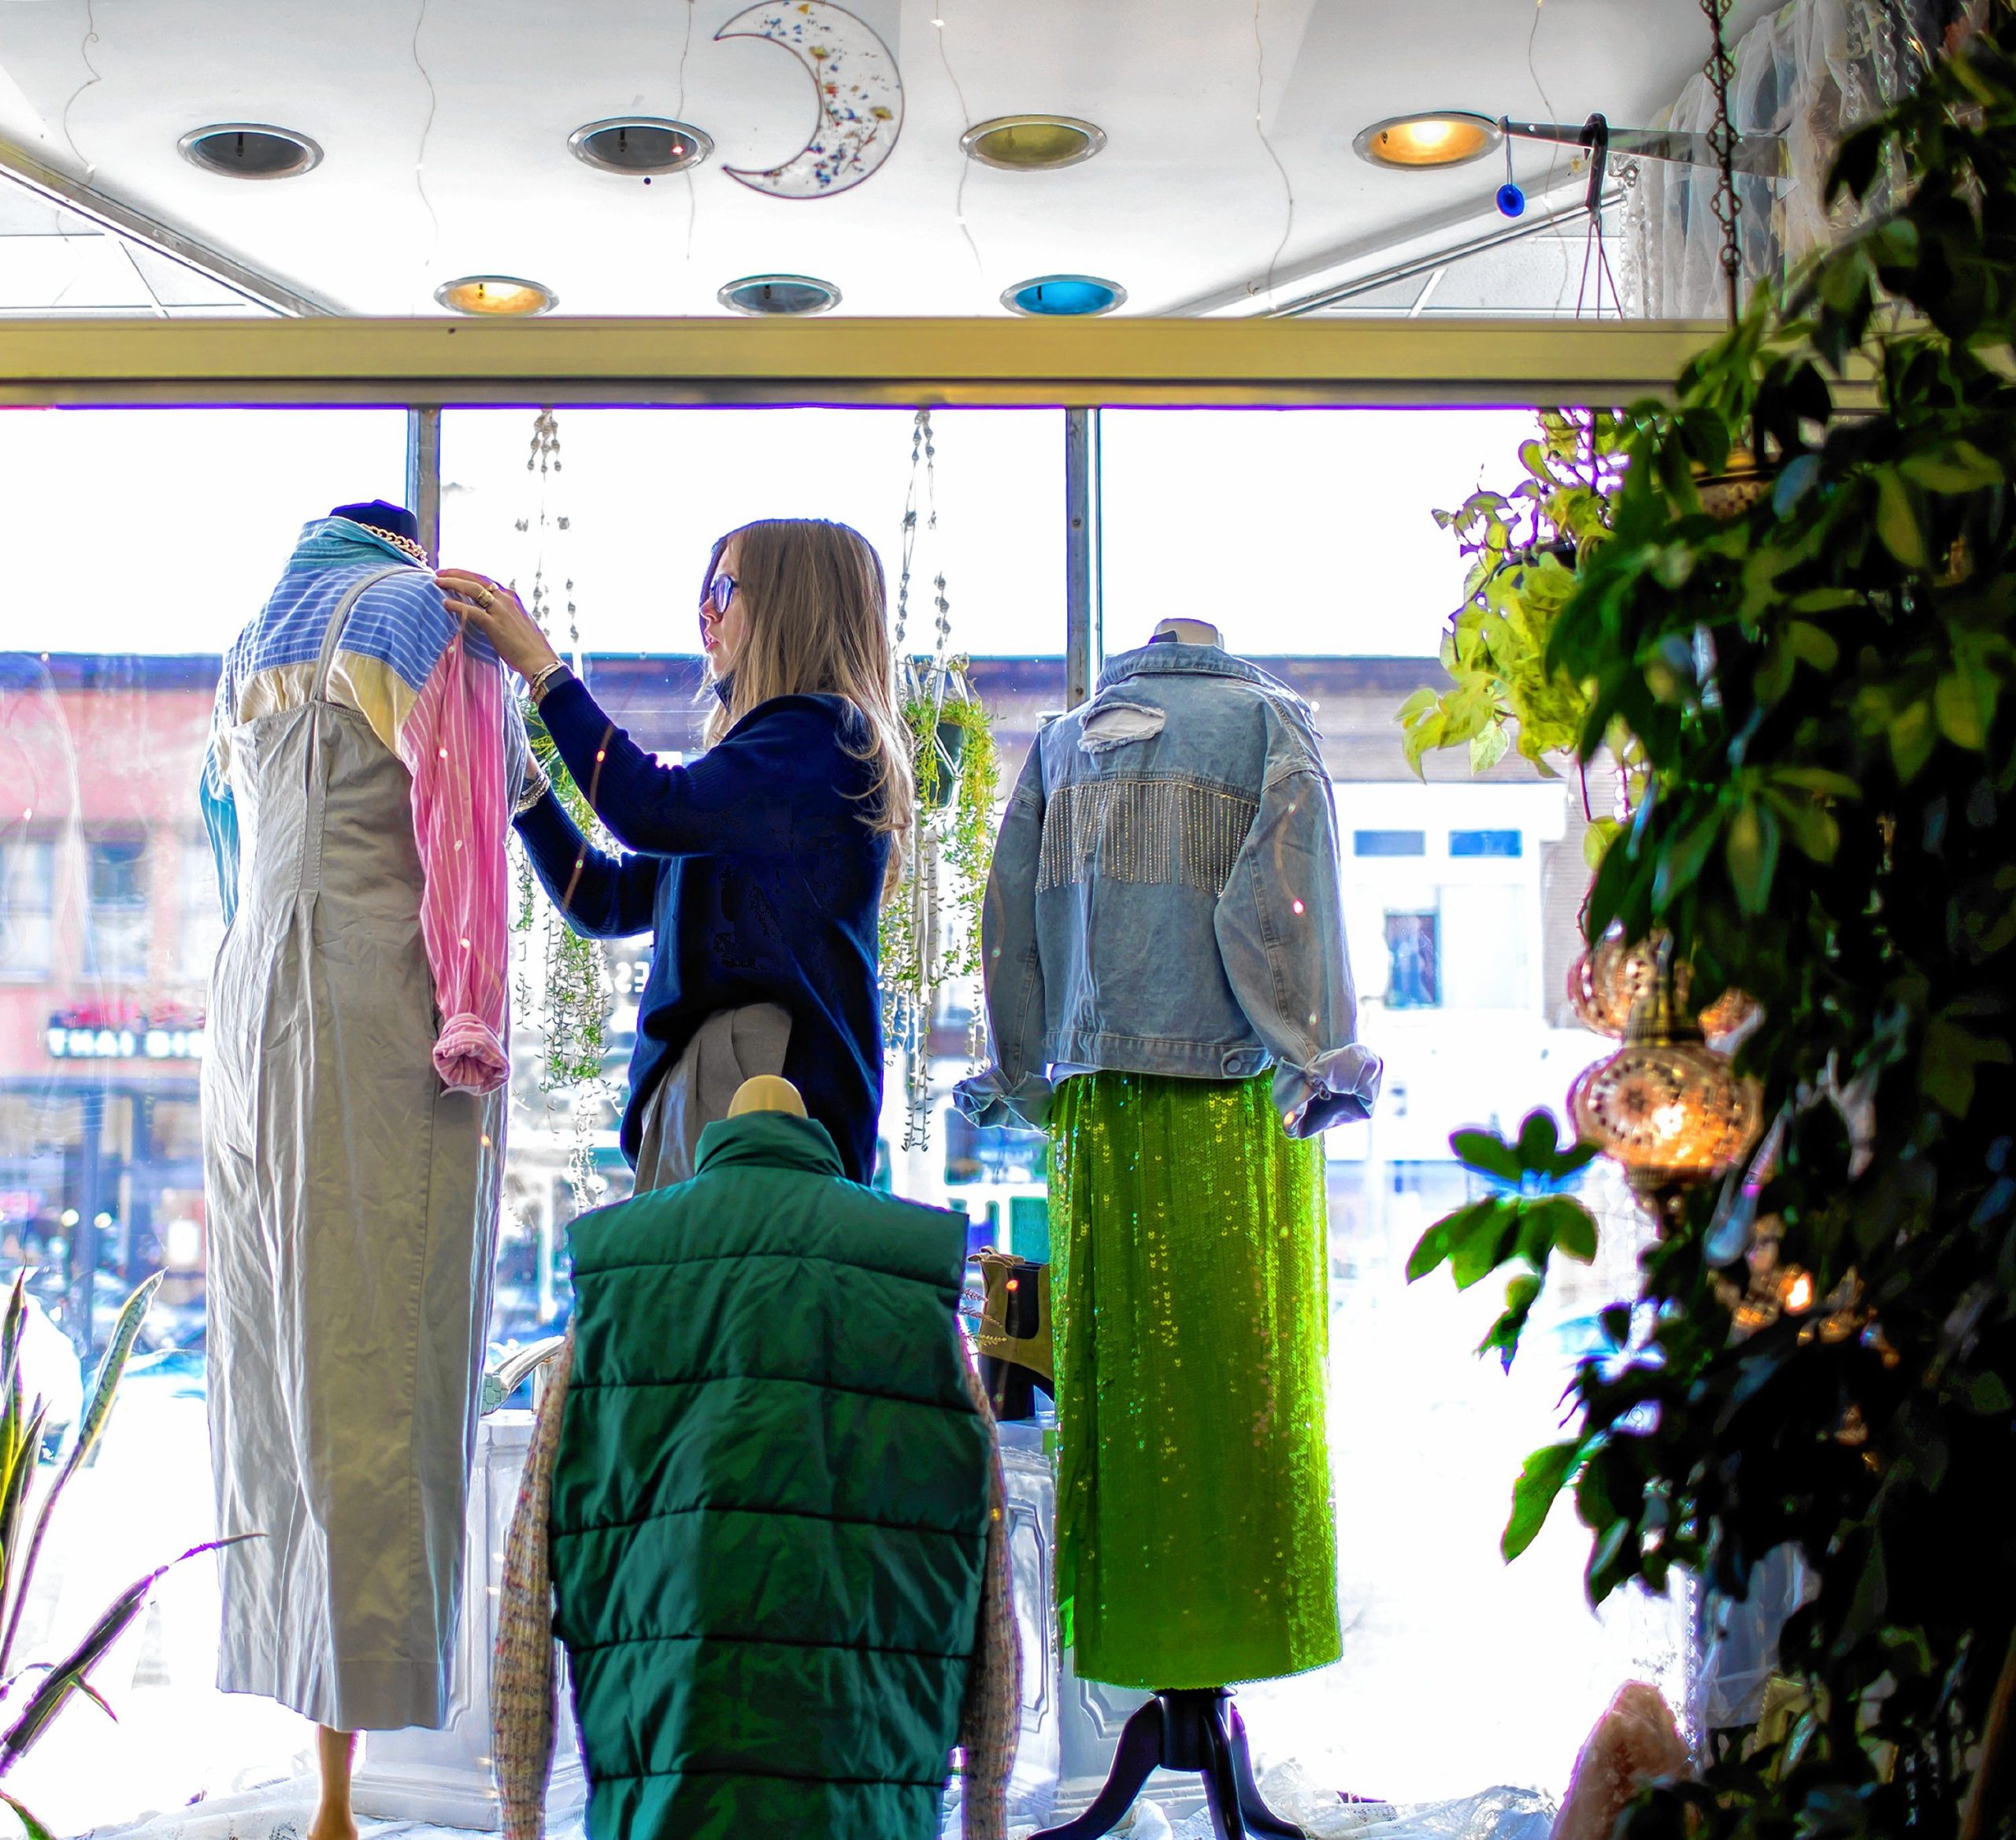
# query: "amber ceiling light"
1032, 143
1443, 137
507, 296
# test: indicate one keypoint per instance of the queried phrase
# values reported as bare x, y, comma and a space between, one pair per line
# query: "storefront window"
612, 540
27, 908
119, 926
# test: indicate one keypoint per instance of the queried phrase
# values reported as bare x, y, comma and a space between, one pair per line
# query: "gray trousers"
730, 1047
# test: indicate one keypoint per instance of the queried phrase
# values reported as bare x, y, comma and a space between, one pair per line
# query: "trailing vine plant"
562, 979
1822, 1353
931, 924
1524, 547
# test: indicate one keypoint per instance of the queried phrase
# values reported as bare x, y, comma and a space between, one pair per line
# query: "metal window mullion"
424, 474
1083, 568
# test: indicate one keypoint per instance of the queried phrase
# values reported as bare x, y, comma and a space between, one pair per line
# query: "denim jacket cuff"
988, 1099
1337, 1088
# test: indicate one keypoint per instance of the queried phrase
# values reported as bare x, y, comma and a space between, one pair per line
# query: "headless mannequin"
766, 1092
335, 1751
1188, 632
1187, 1728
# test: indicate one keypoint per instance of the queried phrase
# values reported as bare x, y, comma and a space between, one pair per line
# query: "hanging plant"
562, 982
931, 925
1525, 548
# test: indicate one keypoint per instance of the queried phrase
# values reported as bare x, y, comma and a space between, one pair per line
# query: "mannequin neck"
1188, 632
766, 1092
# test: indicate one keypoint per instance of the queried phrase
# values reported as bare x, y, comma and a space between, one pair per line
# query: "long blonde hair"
814, 610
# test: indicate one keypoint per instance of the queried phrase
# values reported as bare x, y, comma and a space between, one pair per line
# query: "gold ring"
488, 599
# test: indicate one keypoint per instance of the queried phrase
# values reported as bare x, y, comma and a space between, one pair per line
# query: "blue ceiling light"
1064, 296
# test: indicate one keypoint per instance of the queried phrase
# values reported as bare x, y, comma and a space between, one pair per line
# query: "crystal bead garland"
560, 980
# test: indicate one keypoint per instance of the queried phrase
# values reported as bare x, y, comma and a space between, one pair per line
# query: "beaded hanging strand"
1719, 69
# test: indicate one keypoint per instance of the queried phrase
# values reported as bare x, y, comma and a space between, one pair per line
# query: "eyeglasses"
720, 591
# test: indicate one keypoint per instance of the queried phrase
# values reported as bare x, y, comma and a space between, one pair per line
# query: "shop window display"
100, 1152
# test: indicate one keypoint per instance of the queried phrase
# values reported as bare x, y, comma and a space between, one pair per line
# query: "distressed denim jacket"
1165, 898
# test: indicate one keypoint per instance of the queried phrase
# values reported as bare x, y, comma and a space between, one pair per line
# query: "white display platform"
443, 1778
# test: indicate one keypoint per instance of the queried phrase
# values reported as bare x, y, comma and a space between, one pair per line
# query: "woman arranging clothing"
759, 869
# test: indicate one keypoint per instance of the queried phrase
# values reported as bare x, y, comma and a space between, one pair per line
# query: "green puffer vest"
769, 1502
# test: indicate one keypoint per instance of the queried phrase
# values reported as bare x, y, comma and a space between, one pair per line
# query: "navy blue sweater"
759, 880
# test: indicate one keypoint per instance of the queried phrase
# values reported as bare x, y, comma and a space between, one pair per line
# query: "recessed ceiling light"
779, 293
1032, 143
502, 295
1048, 296
640, 145
250, 149
1442, 137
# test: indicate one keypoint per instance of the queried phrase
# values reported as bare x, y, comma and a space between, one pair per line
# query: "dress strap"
340, 618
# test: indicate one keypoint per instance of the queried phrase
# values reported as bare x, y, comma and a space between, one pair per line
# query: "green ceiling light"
496, 296
1032, 143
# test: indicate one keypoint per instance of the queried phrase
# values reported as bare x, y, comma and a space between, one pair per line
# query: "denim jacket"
1165, 898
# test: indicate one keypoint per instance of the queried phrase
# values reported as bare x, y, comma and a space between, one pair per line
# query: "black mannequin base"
1184, 1728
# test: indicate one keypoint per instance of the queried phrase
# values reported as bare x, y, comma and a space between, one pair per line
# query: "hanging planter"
931, 925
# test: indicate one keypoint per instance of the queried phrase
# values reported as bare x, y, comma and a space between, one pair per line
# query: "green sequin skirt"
1195, 1541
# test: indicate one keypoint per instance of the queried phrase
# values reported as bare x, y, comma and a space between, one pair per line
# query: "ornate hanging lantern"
1609, 981
1665, 1106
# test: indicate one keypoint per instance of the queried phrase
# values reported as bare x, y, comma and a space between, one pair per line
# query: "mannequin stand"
1184, 1728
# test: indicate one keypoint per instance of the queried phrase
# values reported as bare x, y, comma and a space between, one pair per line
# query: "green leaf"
1484, 1152
1539, 1138
1484, 1241
1955, 466
1521, 1295
1987, 1395
36, 1829
1546, 1473
1914, 734
1812, 645
1429, 1251
1681, 860
1957, 700
1751, 847
1488, 748
1897, 520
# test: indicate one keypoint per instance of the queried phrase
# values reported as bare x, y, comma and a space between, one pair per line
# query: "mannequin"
1170, 996
763, 1512
353, 1148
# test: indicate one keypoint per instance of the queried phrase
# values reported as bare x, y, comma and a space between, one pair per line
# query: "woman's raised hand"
494, 610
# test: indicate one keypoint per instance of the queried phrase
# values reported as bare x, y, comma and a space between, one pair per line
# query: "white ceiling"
1184, 206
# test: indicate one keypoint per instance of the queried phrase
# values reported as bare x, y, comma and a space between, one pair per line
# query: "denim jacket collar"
1165, 657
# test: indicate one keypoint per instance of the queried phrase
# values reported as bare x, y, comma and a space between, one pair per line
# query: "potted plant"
34, 1695
1820, 683
931, 925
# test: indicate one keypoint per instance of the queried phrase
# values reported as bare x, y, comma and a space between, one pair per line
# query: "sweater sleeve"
452, 743
737, 794
599, 895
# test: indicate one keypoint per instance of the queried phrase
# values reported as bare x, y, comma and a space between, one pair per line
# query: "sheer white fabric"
1812, 73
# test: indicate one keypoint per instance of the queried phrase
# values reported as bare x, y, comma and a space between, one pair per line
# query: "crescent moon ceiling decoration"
860, 95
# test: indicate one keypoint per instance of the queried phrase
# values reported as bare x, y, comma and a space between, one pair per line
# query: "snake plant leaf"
35, 1828
17, 1470
105, 1386
67, 1677
91, 1427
